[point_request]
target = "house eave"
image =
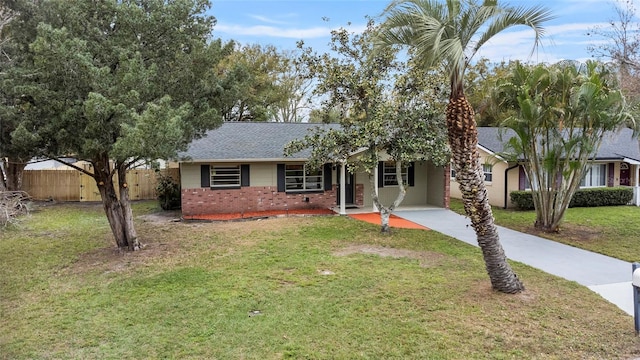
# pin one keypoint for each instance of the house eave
(490, 152)
(631, 161)
(244, 160)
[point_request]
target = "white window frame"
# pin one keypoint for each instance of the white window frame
(452, 172)
(225, 176)
(298, 178)
(390, 177)
(600, 177)
(527, 182)
(487, 170)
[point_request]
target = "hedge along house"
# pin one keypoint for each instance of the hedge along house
(617, 163)
(240, 167)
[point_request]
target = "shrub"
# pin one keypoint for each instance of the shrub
(602, 197)
(522, 199)
(168, 192)
(611, 196)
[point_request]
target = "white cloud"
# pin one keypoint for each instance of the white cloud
(277, 32)
(267, 20)
(276, 20)
(566, 41)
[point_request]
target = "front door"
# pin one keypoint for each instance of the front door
(625, 178)
(348, 187)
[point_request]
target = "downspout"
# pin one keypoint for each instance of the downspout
(506, 183)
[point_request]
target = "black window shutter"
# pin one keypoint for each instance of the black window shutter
(244, 175)
(411, 174)
(380, 174)
(326, 172)
(205, 176)
(612, 175)
(281, 179)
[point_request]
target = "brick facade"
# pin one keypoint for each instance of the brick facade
(359, 198)
(253, 198)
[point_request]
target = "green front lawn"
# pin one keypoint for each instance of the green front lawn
(301, 288)
(609, 230)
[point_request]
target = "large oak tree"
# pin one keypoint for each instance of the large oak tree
(114, 83)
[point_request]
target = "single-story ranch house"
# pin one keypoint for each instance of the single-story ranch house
(617, 163)
(241, 167)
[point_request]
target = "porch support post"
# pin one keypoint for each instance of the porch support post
(636, 187)
(343, 196)
(375, 179)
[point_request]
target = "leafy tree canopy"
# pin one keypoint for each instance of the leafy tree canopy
(112, 83)
(382, 107)
(559, 116)
(252, 72)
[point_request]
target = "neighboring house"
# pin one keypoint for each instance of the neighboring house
(48, 164)
(617, 163)
(241, 167)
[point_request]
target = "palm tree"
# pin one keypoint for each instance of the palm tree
(451, 32)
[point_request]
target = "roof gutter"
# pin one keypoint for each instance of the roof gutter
(243, 160)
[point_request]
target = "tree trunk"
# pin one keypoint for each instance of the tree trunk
(385, 212)
(3, 182)
(14, 168)
(463, 139)
(121, 224)
(127, 212)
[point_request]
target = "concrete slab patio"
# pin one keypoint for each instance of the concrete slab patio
(609, 277)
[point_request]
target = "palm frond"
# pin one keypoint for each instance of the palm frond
(505, 18)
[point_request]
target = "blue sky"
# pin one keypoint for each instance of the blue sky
(283, 22)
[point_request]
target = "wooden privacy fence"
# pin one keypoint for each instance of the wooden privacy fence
(72, 185)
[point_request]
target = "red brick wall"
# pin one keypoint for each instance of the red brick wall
(359, 194)
(254, 198)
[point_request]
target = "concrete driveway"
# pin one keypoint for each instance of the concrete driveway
(609, 277)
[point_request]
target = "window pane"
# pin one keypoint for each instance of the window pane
(596, 175)
(298, 179)
(488, 172)
(602, 180)
(225, 176)
(390, 177)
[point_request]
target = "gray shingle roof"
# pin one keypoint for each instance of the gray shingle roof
(615, 145)
(266, 142)
(493, 138)
(249, 141)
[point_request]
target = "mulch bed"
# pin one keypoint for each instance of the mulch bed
(373, 218)
(394, 221)
(258, 214)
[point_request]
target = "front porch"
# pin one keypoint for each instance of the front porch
(427, 187)
(635, 179)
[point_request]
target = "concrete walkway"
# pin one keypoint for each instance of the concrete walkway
(609, 277)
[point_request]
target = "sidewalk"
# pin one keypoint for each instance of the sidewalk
(609, 277)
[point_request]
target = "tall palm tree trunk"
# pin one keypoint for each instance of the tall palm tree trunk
(463, 139)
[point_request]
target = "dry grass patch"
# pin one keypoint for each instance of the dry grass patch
(325, 288)
(426, 258)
